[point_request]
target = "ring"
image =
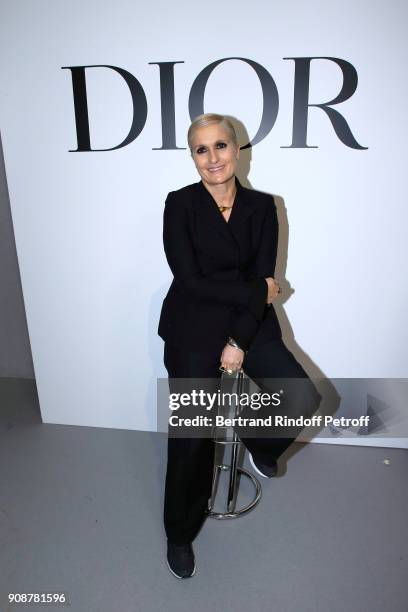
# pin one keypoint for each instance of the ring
(230, 371)
(222, 368)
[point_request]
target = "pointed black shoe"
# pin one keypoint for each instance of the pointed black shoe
(267, 471)
(180, 560)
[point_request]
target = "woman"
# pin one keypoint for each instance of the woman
(220, 241)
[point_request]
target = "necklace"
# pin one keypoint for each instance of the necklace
(222, 208)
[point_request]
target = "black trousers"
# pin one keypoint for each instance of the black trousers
(190, 461)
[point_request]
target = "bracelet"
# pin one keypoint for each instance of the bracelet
(232, 342)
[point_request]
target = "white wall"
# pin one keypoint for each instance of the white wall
(84, 220)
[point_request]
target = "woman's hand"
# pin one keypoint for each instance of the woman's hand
(232, 358)
(273, 289)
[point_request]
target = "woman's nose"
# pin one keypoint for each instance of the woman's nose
(213, 155)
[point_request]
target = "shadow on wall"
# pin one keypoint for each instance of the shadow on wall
(15, 350)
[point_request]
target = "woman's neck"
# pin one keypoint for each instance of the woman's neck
(224, 193)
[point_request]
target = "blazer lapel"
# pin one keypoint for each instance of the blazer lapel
(210, 214)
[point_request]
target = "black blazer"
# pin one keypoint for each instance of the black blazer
(219, 269)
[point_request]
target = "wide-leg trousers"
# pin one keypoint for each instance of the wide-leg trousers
(190, 461)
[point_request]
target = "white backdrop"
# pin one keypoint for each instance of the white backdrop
(84, 220)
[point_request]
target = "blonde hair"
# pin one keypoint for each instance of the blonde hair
(208, 119)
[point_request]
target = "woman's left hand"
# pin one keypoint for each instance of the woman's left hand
(232, 358)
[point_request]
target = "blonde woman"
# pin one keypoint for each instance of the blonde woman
(220, 240)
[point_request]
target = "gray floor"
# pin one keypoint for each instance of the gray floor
(81, 512)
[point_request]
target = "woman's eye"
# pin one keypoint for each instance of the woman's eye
(221, 145)
(200, 150)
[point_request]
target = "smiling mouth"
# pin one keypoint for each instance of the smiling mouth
(215, 169)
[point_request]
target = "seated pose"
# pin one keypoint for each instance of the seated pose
(220, 240)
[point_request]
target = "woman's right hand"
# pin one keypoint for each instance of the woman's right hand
(273, 289)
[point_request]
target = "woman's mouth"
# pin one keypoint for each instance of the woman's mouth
(215, 168)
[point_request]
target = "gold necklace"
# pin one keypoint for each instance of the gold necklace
(222, 208)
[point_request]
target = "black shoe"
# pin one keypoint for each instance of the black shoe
(180, 560)
(267, 471)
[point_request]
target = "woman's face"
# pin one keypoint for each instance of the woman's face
(214, 154)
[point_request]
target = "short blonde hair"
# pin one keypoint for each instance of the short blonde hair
(208, 119)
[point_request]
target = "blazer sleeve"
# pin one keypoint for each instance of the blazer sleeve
(245, 323)
(181, 257)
